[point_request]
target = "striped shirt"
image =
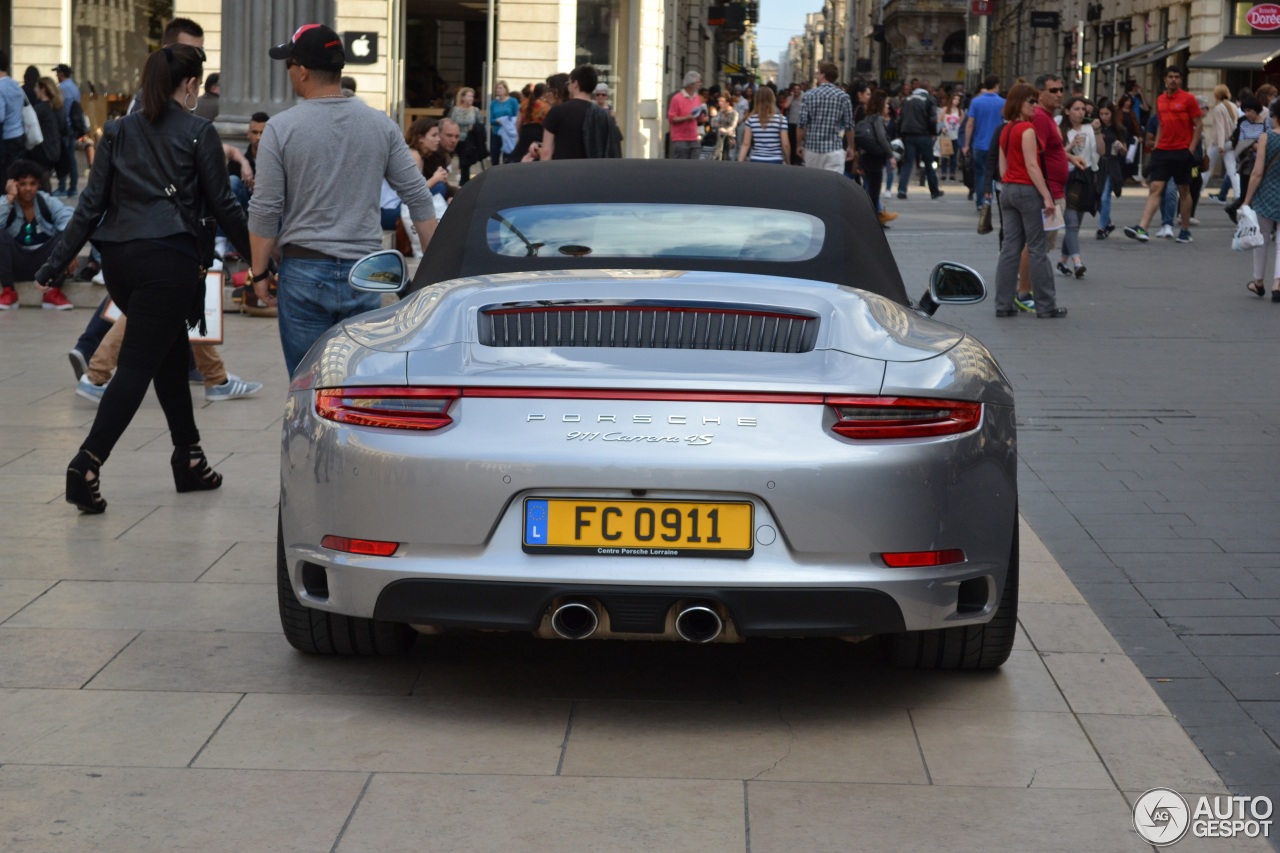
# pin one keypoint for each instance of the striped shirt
(766, 142)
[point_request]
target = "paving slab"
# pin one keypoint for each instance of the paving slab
(53, 657)
(743, 741)
(107, 728)
(156, 810)
(382, 733)
(489, 814)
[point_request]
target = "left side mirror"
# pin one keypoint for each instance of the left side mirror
(381, 272)
(952, 284)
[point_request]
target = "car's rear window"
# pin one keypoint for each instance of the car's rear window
(705, 231)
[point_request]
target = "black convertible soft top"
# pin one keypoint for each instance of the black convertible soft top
(854, 251)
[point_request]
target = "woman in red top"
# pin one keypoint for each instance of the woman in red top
(1025, 202)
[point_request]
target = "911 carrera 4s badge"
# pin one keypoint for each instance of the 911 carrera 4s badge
(628, 528)
(692, 440)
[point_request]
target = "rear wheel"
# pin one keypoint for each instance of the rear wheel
(319, 632)
(966, 647)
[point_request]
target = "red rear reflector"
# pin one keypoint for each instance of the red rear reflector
(922, 559)
(902, 417)
(393, 407)
(368, 547)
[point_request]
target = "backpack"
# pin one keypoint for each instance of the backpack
(79, 122)
(41, 205)
(864, 136)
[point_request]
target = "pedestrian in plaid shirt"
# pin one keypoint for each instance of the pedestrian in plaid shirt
(826, 113)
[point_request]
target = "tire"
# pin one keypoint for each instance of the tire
(967, 647)
(319, 632)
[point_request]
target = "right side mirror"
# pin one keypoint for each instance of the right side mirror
(956, 284)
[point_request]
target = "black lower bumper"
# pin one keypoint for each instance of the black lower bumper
(639, 609)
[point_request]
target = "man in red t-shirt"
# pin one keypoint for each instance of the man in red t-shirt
(1051, 88)
(1174, 154)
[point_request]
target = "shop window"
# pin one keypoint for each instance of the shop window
(110, 41)
(602, 42)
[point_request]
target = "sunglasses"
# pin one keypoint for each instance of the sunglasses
(1057, 91)
(289, 63)
(1032, 101)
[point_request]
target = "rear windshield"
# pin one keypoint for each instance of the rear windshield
(713, 232)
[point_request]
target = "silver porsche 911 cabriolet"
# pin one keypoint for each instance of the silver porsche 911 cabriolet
(653, 400)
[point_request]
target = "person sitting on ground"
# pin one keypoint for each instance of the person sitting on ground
(31, 224)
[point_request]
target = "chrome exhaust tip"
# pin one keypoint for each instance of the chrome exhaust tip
(699, 624)
(575, 620)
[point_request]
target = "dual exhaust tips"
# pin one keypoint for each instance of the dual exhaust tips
(578, 620)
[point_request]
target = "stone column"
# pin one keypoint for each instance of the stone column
(252, 80)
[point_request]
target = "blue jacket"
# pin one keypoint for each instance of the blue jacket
(60, 215)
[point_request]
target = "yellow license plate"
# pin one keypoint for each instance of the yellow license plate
(629, 528)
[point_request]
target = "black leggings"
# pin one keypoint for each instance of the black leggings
(873, 178)
(154, 285)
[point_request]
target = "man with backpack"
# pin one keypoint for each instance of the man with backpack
(74, 126)
(918, 125)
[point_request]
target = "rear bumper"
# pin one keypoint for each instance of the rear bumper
(758, 612)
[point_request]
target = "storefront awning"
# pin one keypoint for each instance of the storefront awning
(1161, 54)
(1249, 53)
(1131, 54)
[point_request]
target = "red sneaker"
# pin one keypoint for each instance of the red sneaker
(8, 299)
(55, 300)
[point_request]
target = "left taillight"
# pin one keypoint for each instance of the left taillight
(902, 417)
(390, 407)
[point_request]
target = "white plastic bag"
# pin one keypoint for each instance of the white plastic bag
(1248, 235)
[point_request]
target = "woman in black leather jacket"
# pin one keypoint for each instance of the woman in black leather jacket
(151, 260)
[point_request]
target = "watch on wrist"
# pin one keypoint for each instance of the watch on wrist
(262, 276)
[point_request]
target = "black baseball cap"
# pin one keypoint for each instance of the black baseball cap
(64, 68)
(313, 46)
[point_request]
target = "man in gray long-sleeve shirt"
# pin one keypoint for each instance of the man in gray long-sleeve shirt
(320, 170)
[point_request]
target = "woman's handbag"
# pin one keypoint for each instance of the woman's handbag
(1248, 234)
(31, 125)
(1082, 191)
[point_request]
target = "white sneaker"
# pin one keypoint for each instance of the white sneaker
(233, 389)
(92, 393)
(1166, 232)
(1194, 221)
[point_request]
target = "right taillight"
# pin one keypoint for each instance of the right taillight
(902, 417)
(388, 407)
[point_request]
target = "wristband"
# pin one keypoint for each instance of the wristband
(262, 276)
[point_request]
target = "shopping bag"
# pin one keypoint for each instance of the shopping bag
(1248, 235)
(984, 219)
(33, 136)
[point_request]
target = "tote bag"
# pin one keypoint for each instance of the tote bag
(31, 125)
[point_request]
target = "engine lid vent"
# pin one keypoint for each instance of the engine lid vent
(669, 326)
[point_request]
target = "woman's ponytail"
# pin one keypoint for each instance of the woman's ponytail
(164, 71)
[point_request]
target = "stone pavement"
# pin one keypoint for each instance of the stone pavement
(1148, 423)
(148, 701)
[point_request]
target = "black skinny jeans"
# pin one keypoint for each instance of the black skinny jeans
(873, 177)
(17, 264)
(154, 285)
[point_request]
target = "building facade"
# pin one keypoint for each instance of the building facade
(405, 55)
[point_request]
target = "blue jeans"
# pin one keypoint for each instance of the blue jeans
(918, 147)
(1104, 205)
(314, 296)
(1169, 204)
(979, 173)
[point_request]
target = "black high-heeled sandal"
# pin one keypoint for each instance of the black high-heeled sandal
(193, 478)
(82, 491)
(1255, 287)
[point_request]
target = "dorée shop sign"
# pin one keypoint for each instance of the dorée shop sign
(1264, 16)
